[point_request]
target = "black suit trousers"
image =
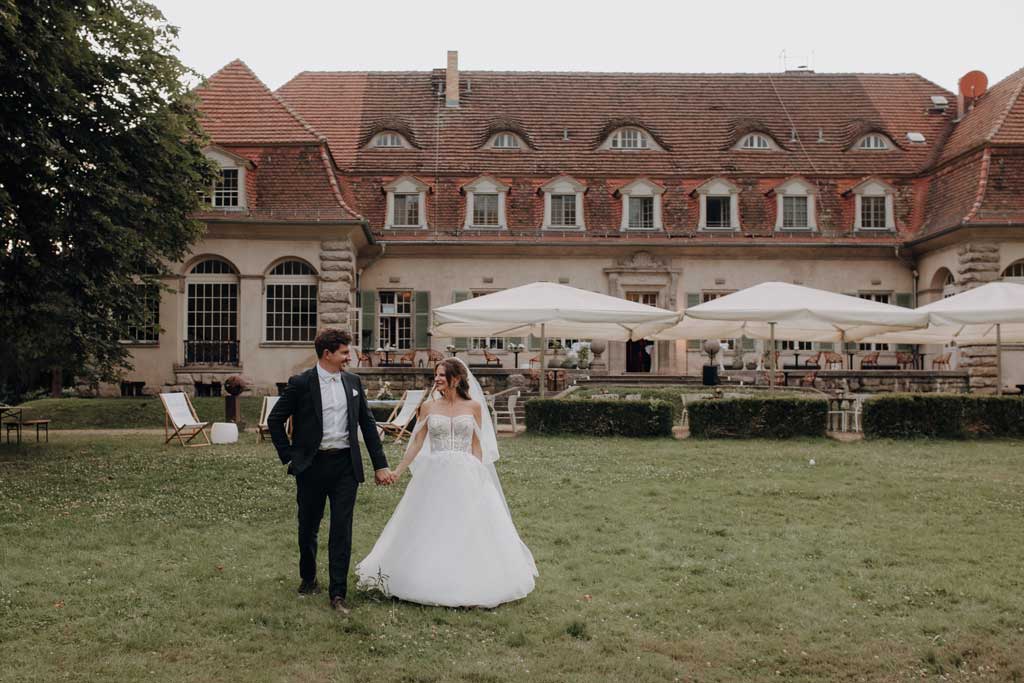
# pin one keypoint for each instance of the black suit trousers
(330, 477)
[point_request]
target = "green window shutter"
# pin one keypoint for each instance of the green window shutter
(747, 343)
(905, 300)
(368, 299)
(421, 300)
(513, 340)
(461, 343)
(826, 346)
(904, 347)
(534, 344)
(850, 346)
(692, 299)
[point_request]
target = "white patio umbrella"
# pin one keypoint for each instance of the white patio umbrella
(990, 314)
(777, 310)
(546, 309)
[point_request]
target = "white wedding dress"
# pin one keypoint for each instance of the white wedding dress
(450, 540)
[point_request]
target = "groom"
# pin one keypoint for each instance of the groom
(326, 404)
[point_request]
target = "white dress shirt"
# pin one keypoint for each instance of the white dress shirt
(335, 407)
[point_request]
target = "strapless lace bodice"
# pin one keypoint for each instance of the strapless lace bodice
(451, 433)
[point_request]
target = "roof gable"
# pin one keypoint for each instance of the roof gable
(237, 108)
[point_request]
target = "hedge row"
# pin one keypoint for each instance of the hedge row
(753, 418)
(943, 416)
(599, 418)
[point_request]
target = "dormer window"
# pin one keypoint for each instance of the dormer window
(719, 205)
(485, 203)
(228, 191)
(406, 205)
(641, 205)
(873, 208)
(226, 194)
(505, 141)
(629, 138)
(873, 141)
(389, 139)
(563, 204)
(758, 142)
(795, 206)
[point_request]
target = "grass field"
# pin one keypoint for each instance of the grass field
(124, 560)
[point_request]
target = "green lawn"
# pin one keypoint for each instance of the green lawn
(660, 560)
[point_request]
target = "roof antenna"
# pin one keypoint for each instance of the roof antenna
(821, 135)
(565, 133)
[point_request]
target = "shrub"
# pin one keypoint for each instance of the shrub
(942, 416)
(599, 418)
(751, 418)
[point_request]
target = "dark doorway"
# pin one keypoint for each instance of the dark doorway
(638, 355)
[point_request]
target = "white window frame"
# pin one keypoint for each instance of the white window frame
(409, 315)
(646, 141)
(873, 188)
(1014, 272)
(706, 296)
(228, 162)
(757, 142)
(406, 185)
(563, 185)
(498, 139)
(148, 333)
(641, 188)
(230, 278)
(389, 139)
(307, 280)
(719, 187)
(485, 185)
(874, 142)
(796, 187)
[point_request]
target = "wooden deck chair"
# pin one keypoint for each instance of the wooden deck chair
(180, 420)
(397, 424)
(263, 427)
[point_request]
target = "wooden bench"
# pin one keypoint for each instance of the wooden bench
(45, 424)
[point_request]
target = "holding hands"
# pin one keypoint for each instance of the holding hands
(386, 477)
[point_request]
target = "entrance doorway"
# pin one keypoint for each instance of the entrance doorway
(640, 353)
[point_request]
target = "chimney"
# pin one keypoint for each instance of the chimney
(451, 80)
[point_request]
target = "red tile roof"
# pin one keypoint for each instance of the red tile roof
(698, 117)
(997, 118)
(294, 177)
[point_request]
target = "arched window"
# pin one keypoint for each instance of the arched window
(505, 140)
(629, 138)
(291, 303)
(212, 316)
(389, 139)
(1015, 270)
(757, 141)
(948, 285)
(874, 141)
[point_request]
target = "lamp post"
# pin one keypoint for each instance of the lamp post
(452, 349)
(516, 349)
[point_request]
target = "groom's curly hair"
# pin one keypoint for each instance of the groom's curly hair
(329, 339)
(457, 376)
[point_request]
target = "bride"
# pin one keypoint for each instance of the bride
(451, 540)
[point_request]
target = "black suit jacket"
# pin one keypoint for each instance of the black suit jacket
(301, 402)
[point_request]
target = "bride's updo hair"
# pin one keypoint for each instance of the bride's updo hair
(457, 376)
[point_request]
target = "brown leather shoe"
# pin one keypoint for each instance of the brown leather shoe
(339, 605)
(309, 587)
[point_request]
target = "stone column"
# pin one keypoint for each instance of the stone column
(337, 273)
(978, 263)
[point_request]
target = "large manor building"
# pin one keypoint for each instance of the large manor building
(364, 199)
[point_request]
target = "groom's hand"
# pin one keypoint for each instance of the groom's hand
(382, 476)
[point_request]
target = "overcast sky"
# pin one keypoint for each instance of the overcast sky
(940, 40)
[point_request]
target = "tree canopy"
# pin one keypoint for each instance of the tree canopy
(101, 169)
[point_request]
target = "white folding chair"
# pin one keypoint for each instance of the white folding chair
(180, 420)
(397, 425)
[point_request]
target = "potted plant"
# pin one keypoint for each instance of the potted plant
(234, 385)
(584, 357)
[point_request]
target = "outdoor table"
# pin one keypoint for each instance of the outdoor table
(12, 412)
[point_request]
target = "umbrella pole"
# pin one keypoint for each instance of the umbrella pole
(999, 361)
(771, 358)
(543, 360)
